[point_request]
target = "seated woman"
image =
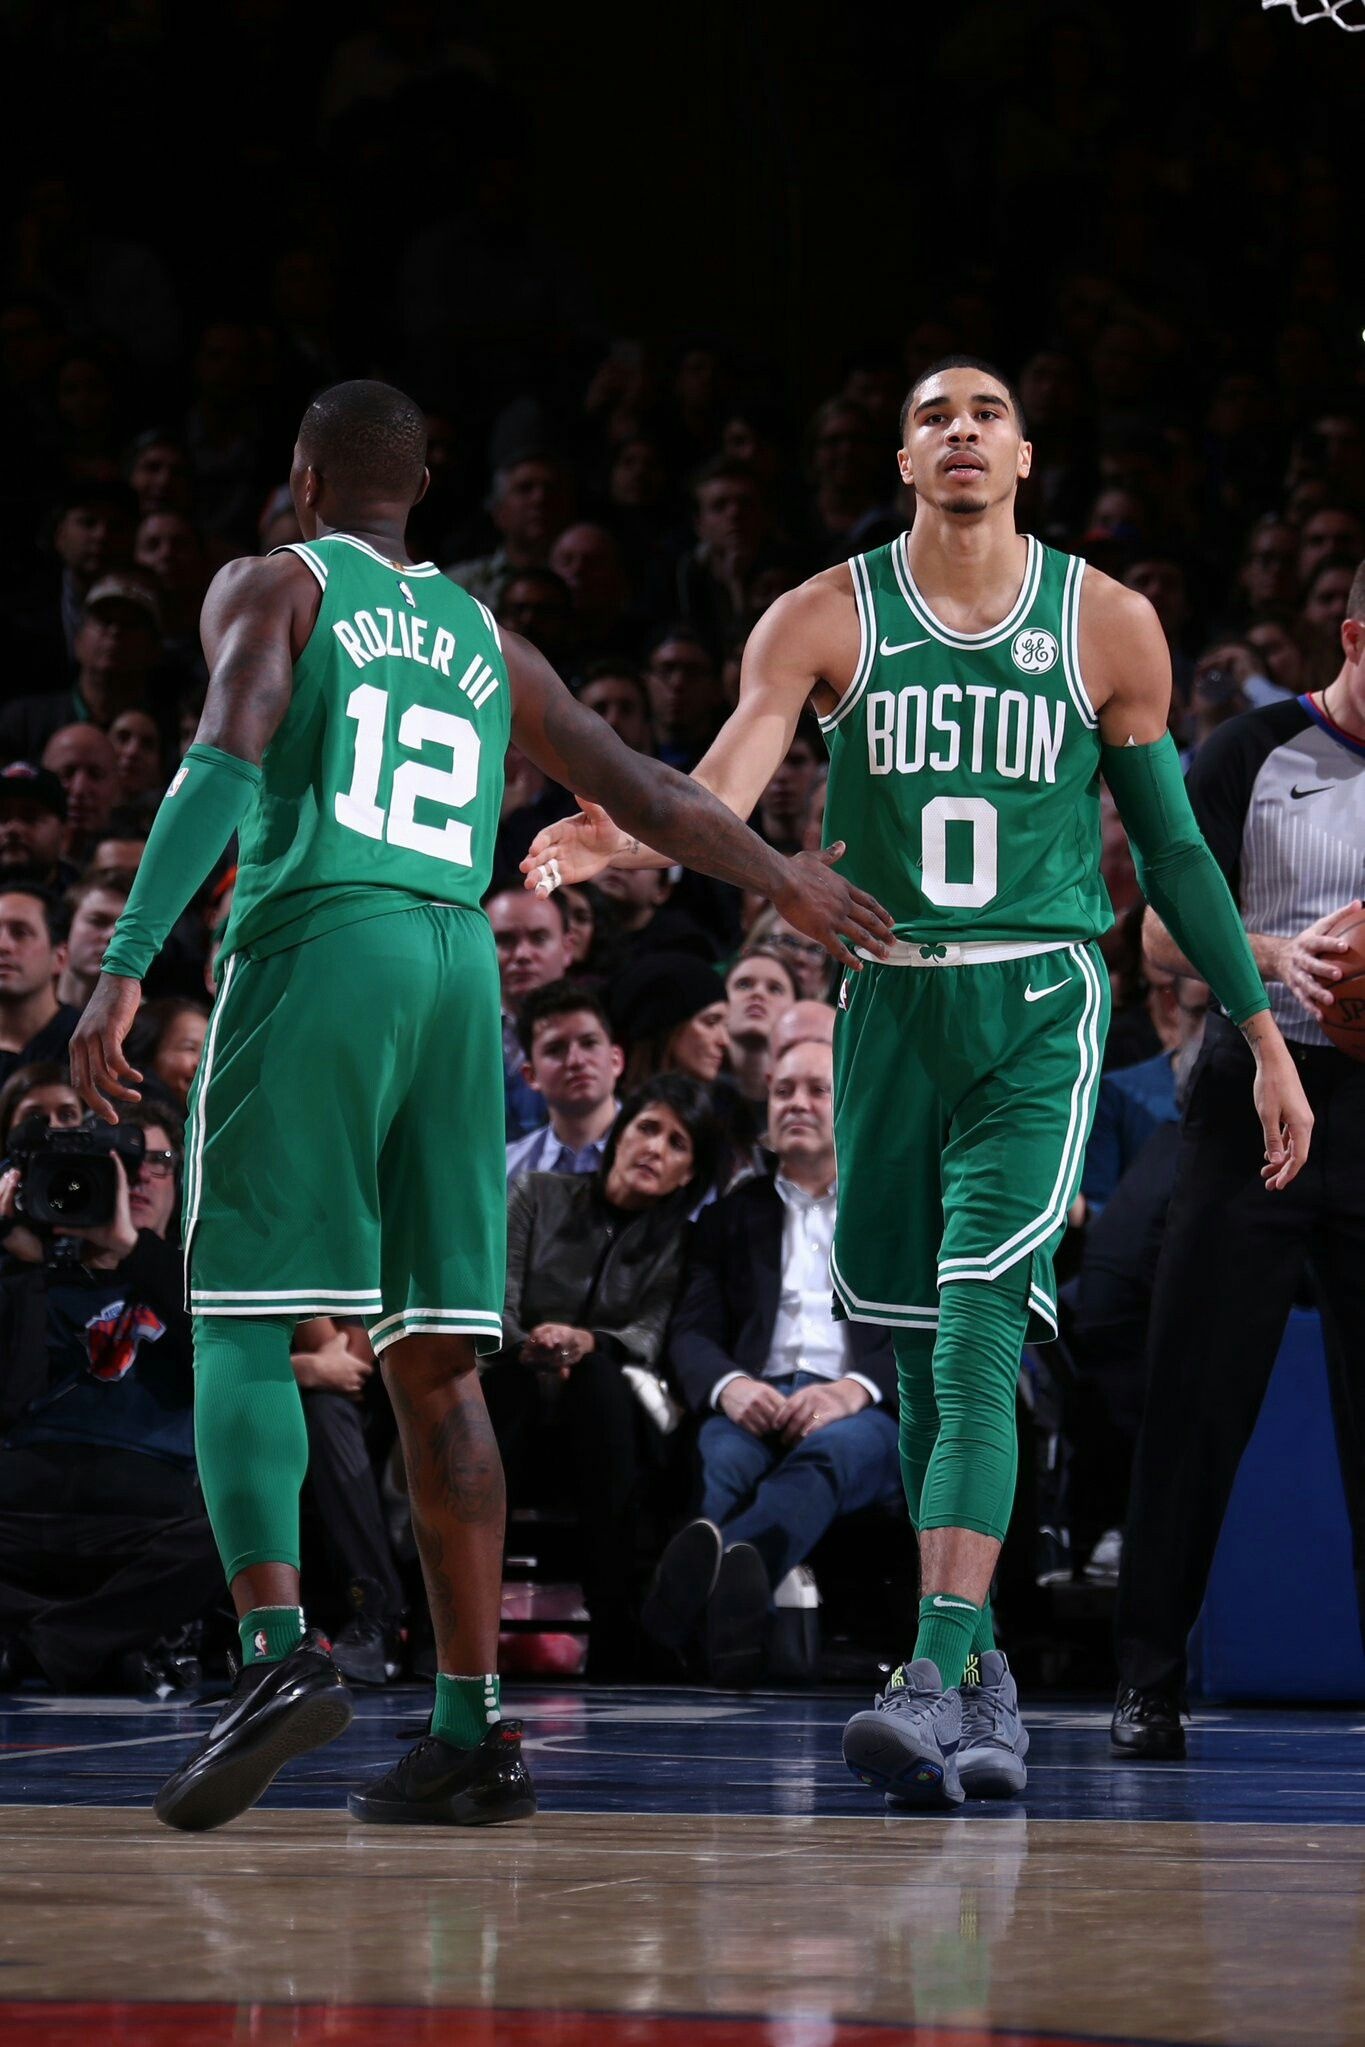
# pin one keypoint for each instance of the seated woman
(593, 1268)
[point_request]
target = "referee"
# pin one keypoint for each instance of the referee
(1280, 796)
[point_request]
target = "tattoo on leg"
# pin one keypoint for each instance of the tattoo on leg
(464, 1453)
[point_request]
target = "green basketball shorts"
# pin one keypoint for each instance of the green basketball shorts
(963, 1099)
(346, 1146)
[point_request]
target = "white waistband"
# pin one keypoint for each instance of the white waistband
(973, 953)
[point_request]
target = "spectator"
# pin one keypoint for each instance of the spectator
(799, 1409)
(618, 694)
(123, 844)
(32, 826)
(85, 763)
(536, 603)
(783, 806)
(1280, 651)
(171, 550)
(1136, 1099)
(159, 474)
(732, 524)
(593, 1266)
(758, 987)
(804, 1021)
(34, 1025)
(1162, 582)
(96, 904)
(136, 739)
(41, 1089)
(1332, 532)
(846, 473)
(105, 1550)
(670, 1012)
(1325, 599)
(589, 562)
(809, 962)
(92, 538)
(532, 936)
(684, 695)
(117, 646)
(1215, 697)
(531, 504)
(1269, 571)
(574, 1065)
(167, 1042)
(649, 920)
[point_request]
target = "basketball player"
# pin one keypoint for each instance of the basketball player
(972, 686)
(347, 1148)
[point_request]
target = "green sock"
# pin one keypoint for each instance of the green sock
(983, 1641)
(947, 1630)
(270, 1633)
(466, 1707)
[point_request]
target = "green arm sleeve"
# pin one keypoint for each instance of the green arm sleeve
(199, 814)
(1179, 876)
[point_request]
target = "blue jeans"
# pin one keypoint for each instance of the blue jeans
(782, 1501)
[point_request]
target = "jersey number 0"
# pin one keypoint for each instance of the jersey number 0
(454, 787)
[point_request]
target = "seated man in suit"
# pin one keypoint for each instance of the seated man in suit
(800, 1409)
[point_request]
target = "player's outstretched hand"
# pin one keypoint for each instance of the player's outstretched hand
(574, 849)
(826, 907)
(98, 1067)
(1285, 1115)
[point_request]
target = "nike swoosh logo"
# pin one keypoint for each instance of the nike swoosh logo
(1037, 994)
(957, 1605)
(1299, 794)
(904, 648)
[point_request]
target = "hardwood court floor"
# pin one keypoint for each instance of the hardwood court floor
(703, 1875)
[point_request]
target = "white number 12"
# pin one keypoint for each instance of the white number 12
(359, 809)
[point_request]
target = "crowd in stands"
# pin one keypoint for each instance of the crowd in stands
(631, 505)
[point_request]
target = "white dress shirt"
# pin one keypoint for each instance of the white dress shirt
(806, 1337)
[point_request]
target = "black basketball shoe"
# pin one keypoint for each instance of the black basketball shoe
(438, 1785)
(1146, 1724)
(274, 1712)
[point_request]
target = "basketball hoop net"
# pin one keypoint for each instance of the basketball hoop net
(1347, 14)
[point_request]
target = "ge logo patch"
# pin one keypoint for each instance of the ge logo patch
(1034, 651)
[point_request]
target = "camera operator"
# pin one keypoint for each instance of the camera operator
(105, 1549)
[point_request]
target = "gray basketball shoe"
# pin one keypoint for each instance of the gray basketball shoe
(990, 1761)
(907, 1744)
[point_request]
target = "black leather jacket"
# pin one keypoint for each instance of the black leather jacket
(573, 1258)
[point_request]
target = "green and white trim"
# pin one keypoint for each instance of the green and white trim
(478, 1322)
(888, 1314)
(1035, 1233)
(867, 643)
(1071, 642)
(993, 635)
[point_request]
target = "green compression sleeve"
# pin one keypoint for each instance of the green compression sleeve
(1179, 875)
(199, 814)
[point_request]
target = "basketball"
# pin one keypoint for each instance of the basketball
(1344, 1018)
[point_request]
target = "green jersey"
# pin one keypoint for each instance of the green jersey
(964, 767)
(382, 787)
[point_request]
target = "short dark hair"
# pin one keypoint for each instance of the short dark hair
(691, 1104)
(723, 469)
(1333, 564)
(963, 362)
(42, 1073)
(50, 905)
(366, 437)
(1355, 602)
(604, 669)
(558, 998)
(115, 881)
(679, 629)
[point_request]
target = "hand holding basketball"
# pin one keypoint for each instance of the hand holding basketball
(1313, 964)
(1342, 1014)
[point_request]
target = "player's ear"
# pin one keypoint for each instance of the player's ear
(423, 487)
(1025, 459)
(617, 1062)
(906, 466)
